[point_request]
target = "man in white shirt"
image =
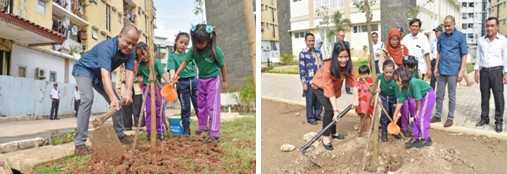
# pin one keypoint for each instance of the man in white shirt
(378, 48)
(55, 101)
(77, 100)
(491, 71)
(434, 53)
(418, 46)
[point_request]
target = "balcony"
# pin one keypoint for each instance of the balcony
(6, 6)
(61, 9)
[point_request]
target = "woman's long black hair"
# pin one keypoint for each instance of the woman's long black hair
(335, 67)
(200, 32)
(180, 34)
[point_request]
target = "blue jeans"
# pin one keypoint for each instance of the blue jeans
(388, 102)
(187, 92)
(313, 107)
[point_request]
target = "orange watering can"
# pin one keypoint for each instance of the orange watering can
(168, 93)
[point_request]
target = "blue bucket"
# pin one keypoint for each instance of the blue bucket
(175, 126)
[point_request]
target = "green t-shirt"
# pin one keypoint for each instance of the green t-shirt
(144, 70)
(417, 89)
(205, 63)
(175, 60)
(388, 87)
(415, 75)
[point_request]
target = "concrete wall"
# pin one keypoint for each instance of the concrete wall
(228, 17)
(23, 97)
(32, 59)
(30, 10)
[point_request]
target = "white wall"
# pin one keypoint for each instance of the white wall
(299, 8)
(31, 59)
(23, 97)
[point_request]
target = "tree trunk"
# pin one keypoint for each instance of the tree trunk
(152, 76)
(371, 61)
(250, 28)
(371, 155)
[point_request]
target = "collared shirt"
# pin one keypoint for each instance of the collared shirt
(491, 53)
(377, 49)
(54, 93)
(144, 71)
(174, 61)
(76, 95)
(328, 83)
(451, 47)
(417, 89)
(105, 54)
(434, 51)
(207, 66)
(417, 46)
(308, 64)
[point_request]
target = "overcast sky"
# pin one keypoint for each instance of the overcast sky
(174, 16)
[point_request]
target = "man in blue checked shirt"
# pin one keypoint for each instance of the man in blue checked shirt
(450, 67)
(93, 71)
(309, 59)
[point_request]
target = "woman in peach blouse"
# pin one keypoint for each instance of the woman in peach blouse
(327, 86)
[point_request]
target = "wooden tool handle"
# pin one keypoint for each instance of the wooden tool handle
(98, 121)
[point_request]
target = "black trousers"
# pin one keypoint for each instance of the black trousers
(433, 81)
(76, 105)
(377, 70)
(491, 79)
(54, 109)
(136, 107)
(328, 111)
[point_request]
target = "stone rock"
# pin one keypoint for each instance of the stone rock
(8, 147)
(287, 148)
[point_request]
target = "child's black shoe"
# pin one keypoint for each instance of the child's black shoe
(426, 142)
(413, 142)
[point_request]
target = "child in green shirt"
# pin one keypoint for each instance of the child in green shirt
(424, 97)
(186, 87)
(209, 59)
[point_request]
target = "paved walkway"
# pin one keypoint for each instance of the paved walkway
(468, 101)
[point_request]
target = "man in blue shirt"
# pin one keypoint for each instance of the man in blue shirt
(450, 67)
(93, 71)
(308, 59)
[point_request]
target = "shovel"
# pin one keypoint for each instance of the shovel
(392, 127)
(105, 143)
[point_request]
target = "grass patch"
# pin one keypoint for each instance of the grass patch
(62, 139)
(284, 69)
(63, 165)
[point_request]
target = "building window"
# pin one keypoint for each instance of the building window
(108, 17)
(21, 71)
(363, 28)
(471, 4)
(41, 6)
(52, 76)
(470, 35)
(470, 25)
(5, 63)
(300, 34)
(471, 15)
(464, 26)
(296, 0)
(464, 4)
